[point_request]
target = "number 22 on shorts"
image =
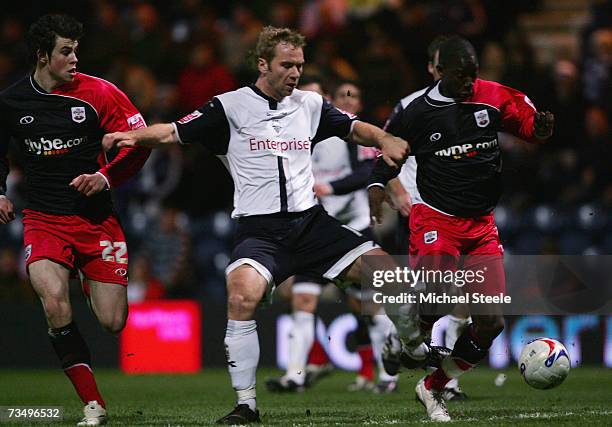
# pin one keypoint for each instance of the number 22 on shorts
(120, 249)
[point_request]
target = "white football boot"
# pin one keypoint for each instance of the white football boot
(433, 402)
(95, 414)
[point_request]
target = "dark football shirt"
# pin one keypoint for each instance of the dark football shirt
(456, 147)
(59, 135)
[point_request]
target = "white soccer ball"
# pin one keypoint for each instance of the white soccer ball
(544, 363)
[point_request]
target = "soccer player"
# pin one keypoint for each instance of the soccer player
(400, 190)
(58, 116)
(341, 170)
(452, 127)
(264, 134)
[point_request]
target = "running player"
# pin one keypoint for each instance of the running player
(452, 127)
(58, 116)
(265, 133)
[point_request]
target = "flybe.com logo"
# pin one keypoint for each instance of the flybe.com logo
(52, 147)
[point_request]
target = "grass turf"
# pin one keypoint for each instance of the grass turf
(584, 398)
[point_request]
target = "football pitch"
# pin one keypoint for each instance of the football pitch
(585, 398)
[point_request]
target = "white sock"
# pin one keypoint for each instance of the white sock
(242, 352)
(454, 329)
(301, 338)
(381, 326)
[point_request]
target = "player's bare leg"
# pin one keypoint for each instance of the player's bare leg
(245, 289)
(110, 305)
(51, 282)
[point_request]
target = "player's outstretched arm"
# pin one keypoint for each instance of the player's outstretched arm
(161, 134)
(394, 150)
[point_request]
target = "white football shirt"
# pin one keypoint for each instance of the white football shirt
(266, 144)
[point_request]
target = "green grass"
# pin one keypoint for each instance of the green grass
(584, 399)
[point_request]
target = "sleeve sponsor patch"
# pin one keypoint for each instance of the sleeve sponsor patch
(351, 115)
(136, 122)
(366, 153)
(189, 117)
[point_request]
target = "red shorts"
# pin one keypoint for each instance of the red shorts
(469, 243)
(96, 248)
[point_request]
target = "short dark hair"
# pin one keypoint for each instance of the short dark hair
(434, 46)
(453, 50)
(272, 36)
(44, 32)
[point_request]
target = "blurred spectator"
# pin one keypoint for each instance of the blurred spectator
(203, 78)
(168, 248)
(13, 286)
(564, 97)
(137, 81)
(239, 37)
(142, 285)
(148, 41)
(106, 38)
(598, 83)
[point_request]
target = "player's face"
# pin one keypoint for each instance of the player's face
(348, 98)
(282, 74)
(458, 79)
(63, 60)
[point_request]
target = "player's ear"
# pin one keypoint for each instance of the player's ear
(262, 65)
(42, 56)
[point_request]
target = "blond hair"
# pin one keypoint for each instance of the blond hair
(270, 37)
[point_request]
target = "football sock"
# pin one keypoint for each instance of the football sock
(466, 354)
(300, 340)
(454, 328)
(317, 355)
(380, 327)
(74, 356)
(242, 352)
(367, 362)
(364, 349)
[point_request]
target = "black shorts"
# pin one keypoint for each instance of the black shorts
(309, 243)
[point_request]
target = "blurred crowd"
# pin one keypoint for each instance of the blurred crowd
(171, 57)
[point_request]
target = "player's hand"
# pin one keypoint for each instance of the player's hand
(89, 184)
(376, 197)
(543, 124)
(401, 202)
(119, 139)
(323, 189)
(7, 212)
(394, 150)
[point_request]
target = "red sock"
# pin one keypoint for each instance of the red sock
(436, 380)
(317, 355)
(84, 383)
(367, 362)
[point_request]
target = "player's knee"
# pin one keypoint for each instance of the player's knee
(113, 324)
(57, 308)
(241, 302)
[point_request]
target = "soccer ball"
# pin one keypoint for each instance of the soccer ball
(544, 363)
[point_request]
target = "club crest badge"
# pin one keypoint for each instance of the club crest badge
(78, 114)
(482, 118)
